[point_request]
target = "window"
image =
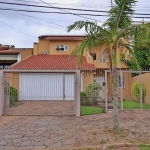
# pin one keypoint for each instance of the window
(62, 47)
(102, 57)
(1, 66)
(65, 47)
(7, 66)
(119, 81)
(93, 55)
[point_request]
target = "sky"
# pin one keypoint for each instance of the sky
(23, 28)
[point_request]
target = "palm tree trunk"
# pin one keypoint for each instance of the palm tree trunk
(115, 98)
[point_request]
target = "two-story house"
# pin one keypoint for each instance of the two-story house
(51, 52)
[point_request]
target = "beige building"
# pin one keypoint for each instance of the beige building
(51, 52)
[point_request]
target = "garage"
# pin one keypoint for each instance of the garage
(46, 86)
(44, 94)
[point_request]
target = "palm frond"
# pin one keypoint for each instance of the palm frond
(85, 45)
(131, 50)
(108, 55)
(90, 27)
(121, 13)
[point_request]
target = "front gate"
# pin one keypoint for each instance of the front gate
(41, 93)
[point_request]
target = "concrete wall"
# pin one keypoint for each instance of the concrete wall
(15, 81)
(43, 46)
(35, 48)
(87, 78)
(26, 53)
(127, 90)
(50, 47)
(146, 82)
(71, 46)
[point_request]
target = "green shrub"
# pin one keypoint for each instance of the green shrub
(92, 93)
(13, 96)
(136, 90)
(82, 94)
(83, 99)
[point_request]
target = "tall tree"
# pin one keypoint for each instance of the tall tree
(116, 33)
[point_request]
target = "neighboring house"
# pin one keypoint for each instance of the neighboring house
(51, 52)
(10, 55)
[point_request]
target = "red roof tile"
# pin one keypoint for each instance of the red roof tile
(10, 51)
(77, 38)
(53, 62)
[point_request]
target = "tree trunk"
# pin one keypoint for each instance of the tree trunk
(115, 98)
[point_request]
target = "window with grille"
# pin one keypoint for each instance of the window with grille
(62, 47)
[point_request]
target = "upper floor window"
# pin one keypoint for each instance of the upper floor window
(93, 55)
(62, 47)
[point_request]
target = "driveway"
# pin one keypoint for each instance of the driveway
(26, 132)
(41, 108)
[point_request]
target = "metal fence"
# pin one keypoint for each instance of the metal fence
(91, 83)
(95, 86)
(37, 92)
(97, 90)
(134, 90)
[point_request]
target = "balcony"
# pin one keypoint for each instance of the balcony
(99, 64)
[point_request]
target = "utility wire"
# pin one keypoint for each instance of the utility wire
(43, 20)
(63, 13)
(75, 4)
(28, 1)
(17, 29)
(69, 12)
(14, 35)
(52, 7)
(33, 21)
(82, 4)
(62, 8)
(37, 18)
(38, 11)
(40, 19)
(89, 4)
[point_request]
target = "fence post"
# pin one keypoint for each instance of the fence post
(141, 99)
(78, 90)
(63, 94)
(121, 90)
(105, 91)
(1, 93)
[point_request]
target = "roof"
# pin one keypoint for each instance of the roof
(10, 51)
(52, 62)
(63, 37)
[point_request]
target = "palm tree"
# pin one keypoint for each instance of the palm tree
(115, 33)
